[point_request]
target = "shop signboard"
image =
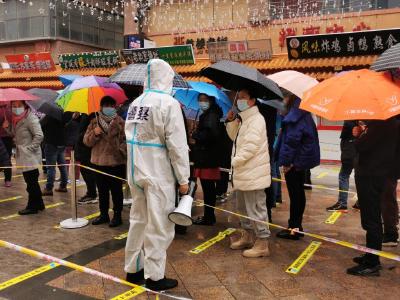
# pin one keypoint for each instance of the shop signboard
(240, 50)
(371, 42)
(174, 55)
(89, 60)
(30, 62)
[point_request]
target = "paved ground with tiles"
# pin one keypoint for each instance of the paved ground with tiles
(216, 273)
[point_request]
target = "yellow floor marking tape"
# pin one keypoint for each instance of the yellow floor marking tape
(121, 236)
(47, 207)
(212, 241)
(299, 263)
(333, 217)
(322, 175)
(10, 199)
(15, 176)
(129, 294)
(28, 275)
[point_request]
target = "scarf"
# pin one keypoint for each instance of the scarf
(105, 121)
(16, 119)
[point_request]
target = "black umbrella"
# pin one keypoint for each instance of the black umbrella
(389, 60)
(134, 74)
(46, 104)
(235, 76)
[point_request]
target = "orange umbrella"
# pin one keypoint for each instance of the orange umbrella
(356, 95)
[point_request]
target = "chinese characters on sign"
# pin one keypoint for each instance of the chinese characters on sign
(99, 59)
(174, 55)
(342, 44)
(240, 51)
(31, 62)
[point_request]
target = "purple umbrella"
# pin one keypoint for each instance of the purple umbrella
(91, 81)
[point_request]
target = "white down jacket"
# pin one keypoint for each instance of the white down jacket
(250, 158)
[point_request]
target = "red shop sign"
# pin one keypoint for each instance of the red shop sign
(31, 62)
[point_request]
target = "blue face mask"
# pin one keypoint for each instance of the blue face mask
(109, 111)
(204, 105)
(18, 110)
(242, 105)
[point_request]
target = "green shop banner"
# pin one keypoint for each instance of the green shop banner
(89, 60)
(174, 55)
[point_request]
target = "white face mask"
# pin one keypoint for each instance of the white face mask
(242, 104)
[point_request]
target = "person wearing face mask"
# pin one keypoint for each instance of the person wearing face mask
(206, 154)
(28, 136)
(251, 174)
(297, 150)
(106, 136)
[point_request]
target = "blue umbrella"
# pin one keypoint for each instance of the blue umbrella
(68, 79)
(188, 97)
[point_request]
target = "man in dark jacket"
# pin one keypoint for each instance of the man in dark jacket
(348, 154)
(54, 147)
(376, 148)
(297, 150)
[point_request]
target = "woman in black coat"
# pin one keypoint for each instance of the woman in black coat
(206, 154)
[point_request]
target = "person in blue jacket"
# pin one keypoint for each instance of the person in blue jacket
(297, 150)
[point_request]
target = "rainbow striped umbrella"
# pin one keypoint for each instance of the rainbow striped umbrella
(84, 94)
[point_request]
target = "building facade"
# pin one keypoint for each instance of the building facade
(58, 27)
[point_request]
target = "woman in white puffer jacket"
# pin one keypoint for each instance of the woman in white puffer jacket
(251, 174)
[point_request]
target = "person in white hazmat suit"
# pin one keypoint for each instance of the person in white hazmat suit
(158, 159)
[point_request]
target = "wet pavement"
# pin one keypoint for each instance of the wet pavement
(215, 273)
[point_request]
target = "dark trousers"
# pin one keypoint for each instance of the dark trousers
(35, 200)
(107, 184)
(370, 190)
(270, 201)
(8, 143)
(222, 184)
(210, 196)
(90, 179)
(295, 185)
(390, 209)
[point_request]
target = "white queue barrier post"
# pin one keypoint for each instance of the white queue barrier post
(73, 222)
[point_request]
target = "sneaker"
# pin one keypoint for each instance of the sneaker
(390, 241)
(364, 270)
(7, 184)
(47, 192)
(337, 207)
(162, 284)
(87, 200)
(221, 198)
(61, 190)
(356, 205)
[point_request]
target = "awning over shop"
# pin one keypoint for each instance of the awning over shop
(48, 84)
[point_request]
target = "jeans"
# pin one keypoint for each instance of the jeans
(90, 179)
(107, 184)
(344, 178)
(8, 143)
(55, 154)
(370, 190)
(35, 200)
(295, 185)
(276, 185)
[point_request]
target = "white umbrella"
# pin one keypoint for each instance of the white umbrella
(295, 82)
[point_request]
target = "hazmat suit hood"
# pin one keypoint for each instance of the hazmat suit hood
(159, 76)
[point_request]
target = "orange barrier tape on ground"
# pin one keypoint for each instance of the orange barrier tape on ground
(320, 237)
(80, 268)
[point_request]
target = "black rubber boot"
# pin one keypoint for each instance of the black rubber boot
(162, 284)
(135, 278)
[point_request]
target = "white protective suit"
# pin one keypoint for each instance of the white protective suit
(157, 159)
